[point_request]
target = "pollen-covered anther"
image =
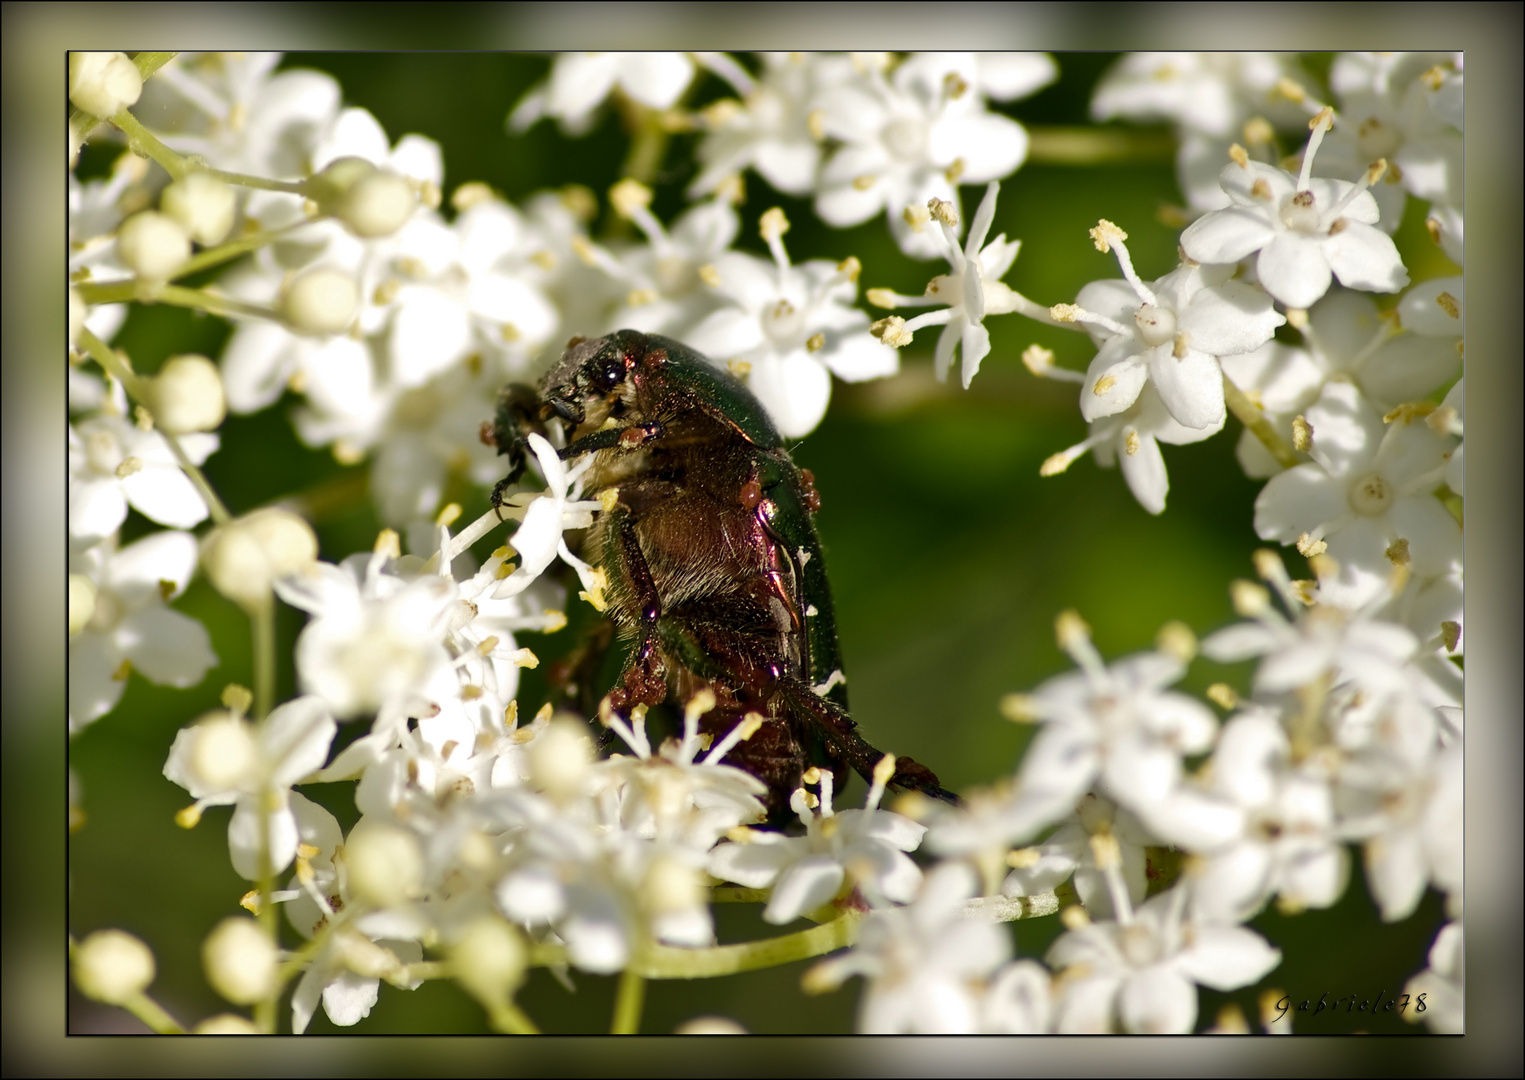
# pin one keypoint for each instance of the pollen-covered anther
(1223, 696)
(710, 275)
(1131, 442)
(953, 173)
(1261, 190)
(1302, 434)
(739, 368)
(629, 197)
(1103, 384)
(1070, 630)
(1308, 546)
(1248, 598)
(1074, 917)
(1038, 360)
(1065, 313)
(1176, 640)
(1258, 131)
(881, 298)
(942, 210)
(1397, 552)
(1239, 156)
(916, 217)
(1023, 858)
(772, 225)
(1104, 234)
(1181, 346)
(891, 331)
(815, 342)
(851, 267)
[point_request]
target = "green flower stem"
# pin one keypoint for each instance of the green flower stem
(1253, 417)
(262, 628)
(628, 1001)
(232, 249)
(667, 962)
(201, 300)
(145, 142)
(736, 894)
(142, 1006)
(510, 1020)
(118, 368)
(1093, 146)
(147, 63)
(264, 1009)
(153, 1014)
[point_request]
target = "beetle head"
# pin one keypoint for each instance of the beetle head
(587, 385)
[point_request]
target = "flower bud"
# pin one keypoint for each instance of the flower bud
(81, 603)
(489, 960)
(112, 966)
(153, 245)
(103, 83)
(710, 1025)
(385, 866)
(240, 961)
(226, 1024)
(244, 558)
(321, 302)
(378, 205)
(202, 204)
(215, 754)
(186, 395)
(559, 758)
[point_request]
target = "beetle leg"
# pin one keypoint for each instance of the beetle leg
(645, 676)
(626, 438)
(841, 732)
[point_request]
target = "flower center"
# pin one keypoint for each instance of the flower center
(675, 276)
(103, 452)
(784, 324)
(1371, 496)
(417, 409)
(1378, 140)
(906, 137)
(1139, 945)
(1298, 212)
(1156, 325)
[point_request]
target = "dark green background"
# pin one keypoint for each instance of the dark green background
(949, 559)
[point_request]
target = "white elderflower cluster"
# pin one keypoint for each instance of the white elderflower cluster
(492, 832)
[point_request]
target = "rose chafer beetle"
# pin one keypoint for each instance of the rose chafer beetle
(715, 571)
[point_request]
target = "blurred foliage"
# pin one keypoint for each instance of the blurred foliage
(949, 559)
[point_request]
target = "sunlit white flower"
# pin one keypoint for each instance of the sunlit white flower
(972, 289)
(376, 640)
(1138, 974)
(1303, 231)
(1409, 815)
(114, 464)
(224, 759)
(927, 966)
(1171, 333)
(916, 134)
(867, 846)
(792, 327)
(1258, 827)
(546, 516)
(579, 83)
(1388, 109)
(1367, 494)
(119, 621)
(1067, 853)
(361, 949)
(1115, 725)
(1441, 984)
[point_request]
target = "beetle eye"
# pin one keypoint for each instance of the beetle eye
(609, 375)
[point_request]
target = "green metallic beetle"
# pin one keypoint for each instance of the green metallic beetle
(715, 571)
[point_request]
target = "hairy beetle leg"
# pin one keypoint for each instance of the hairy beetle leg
(841, 732)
